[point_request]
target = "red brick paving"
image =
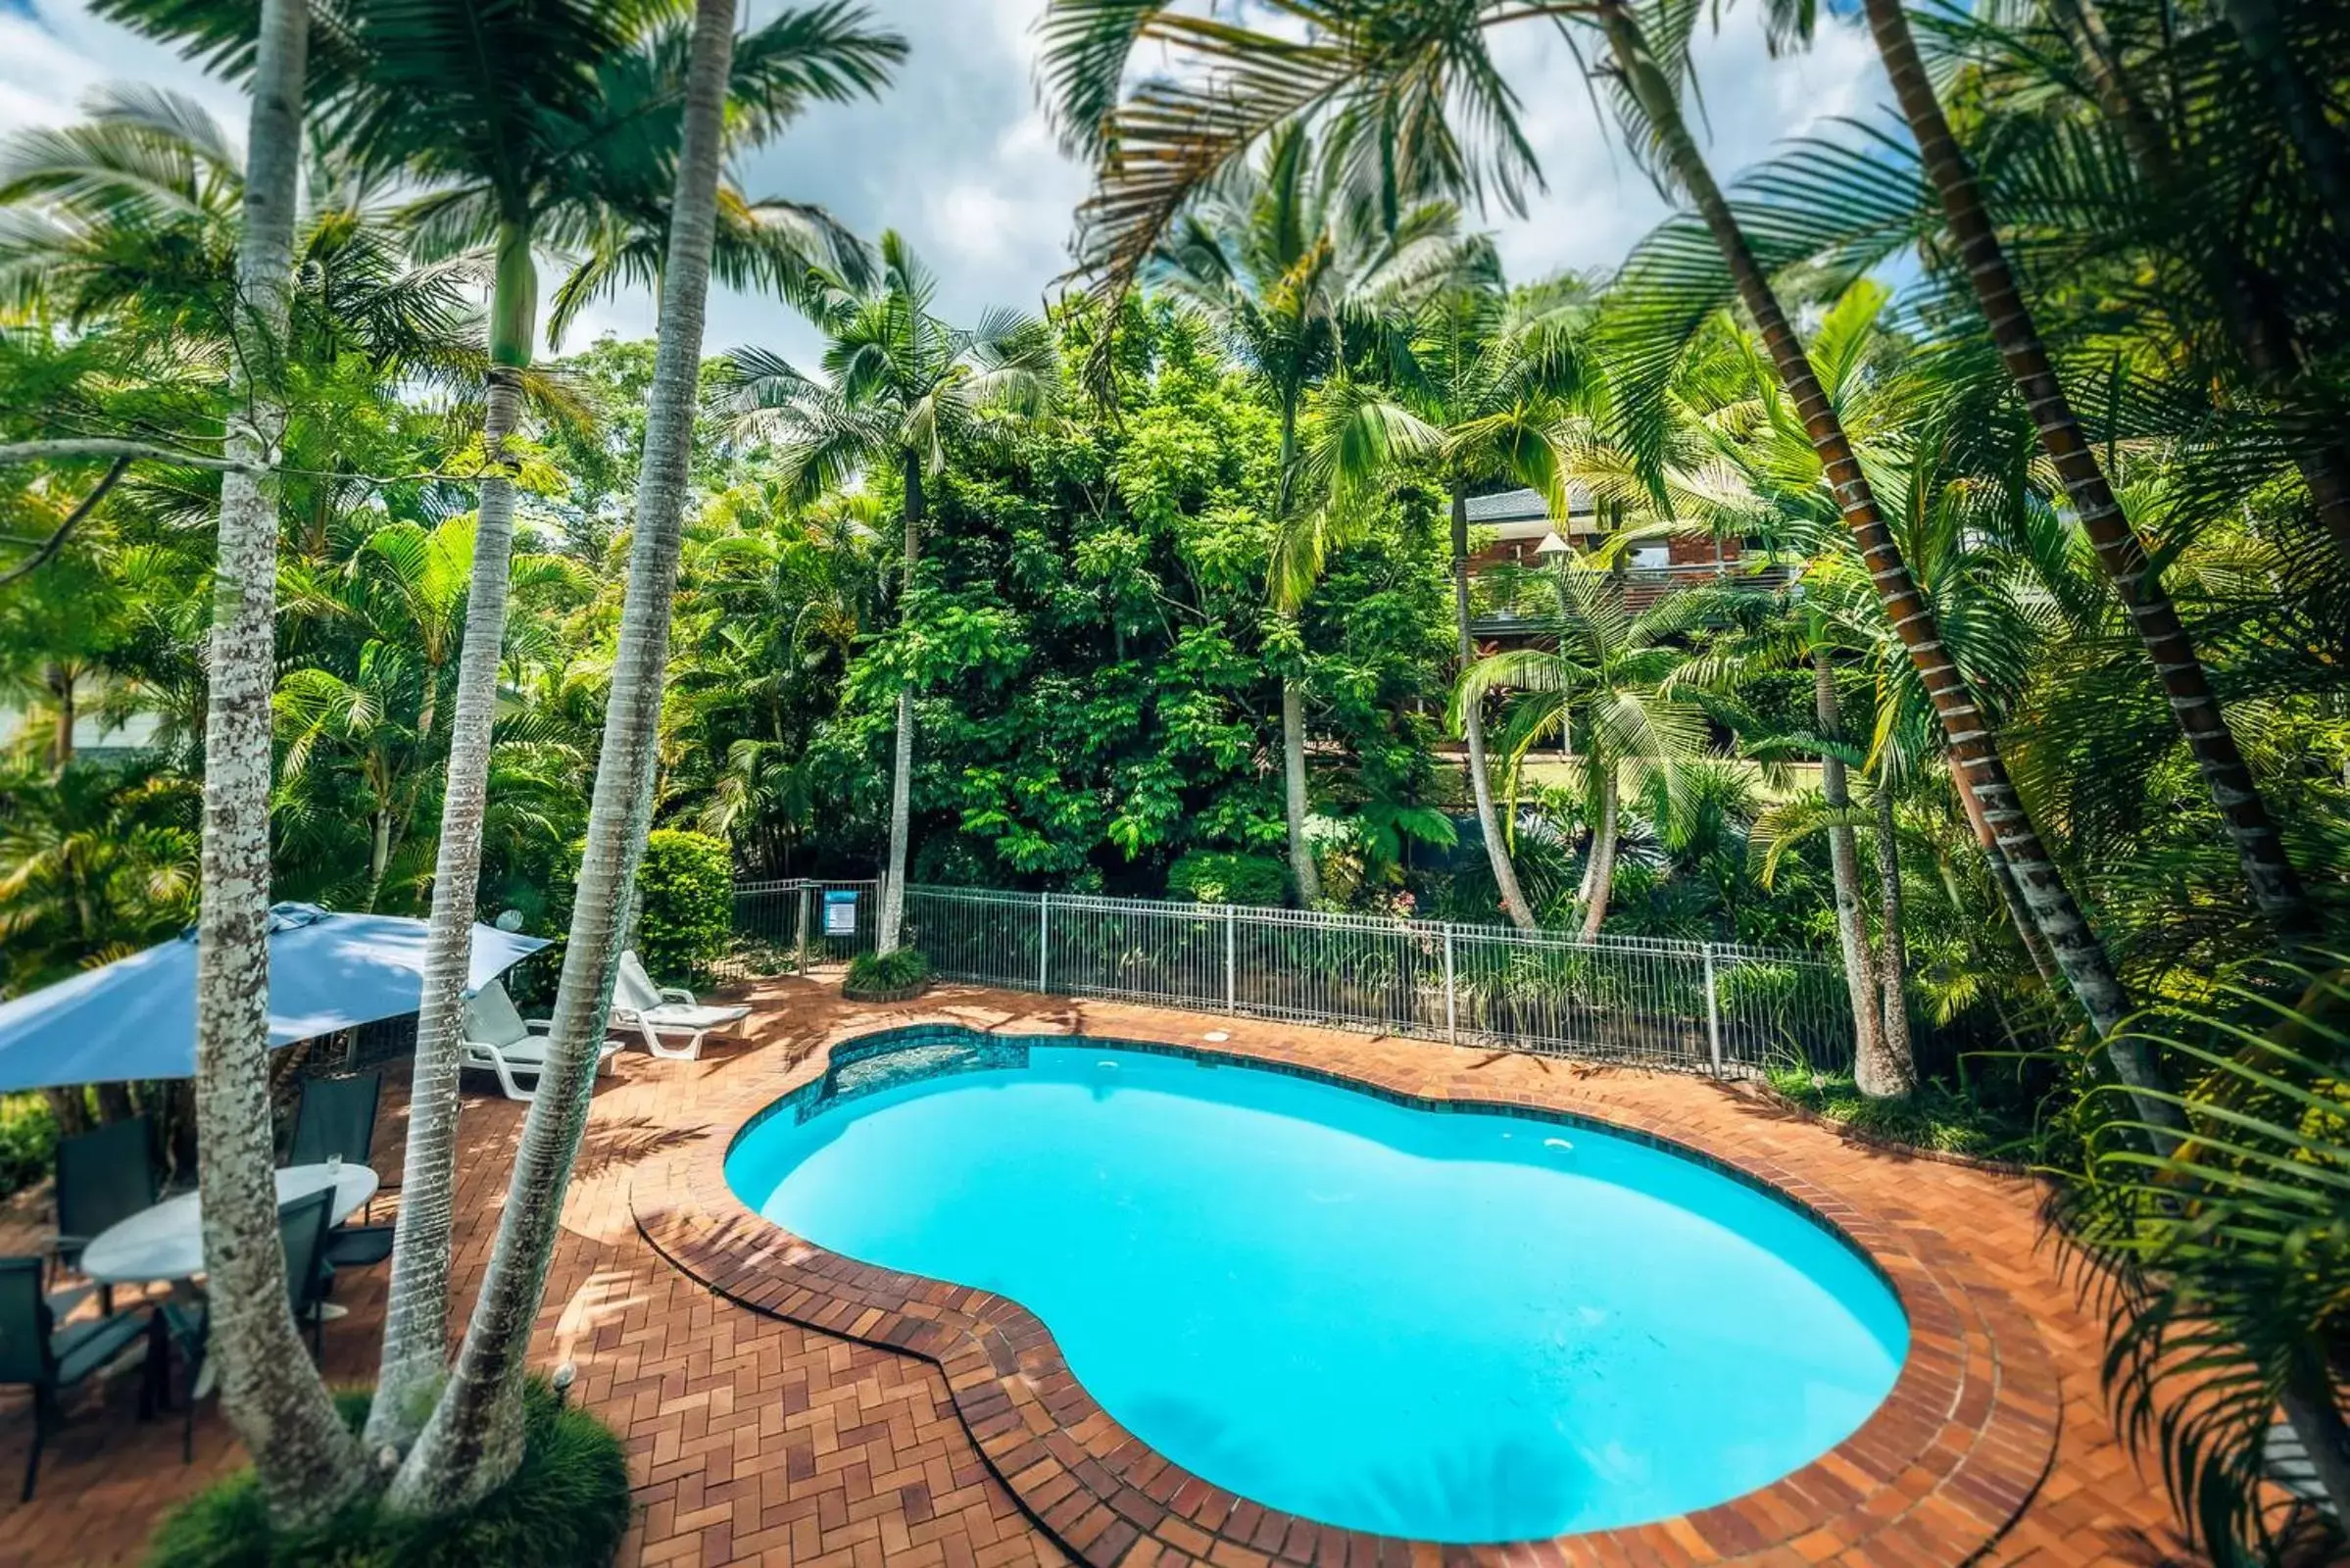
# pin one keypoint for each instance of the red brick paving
(756, 1438)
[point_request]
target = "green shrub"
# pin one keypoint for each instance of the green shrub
(685, 896)
(872, 973)
(1221, 877)
(1932, 1118)
(28, 1140)
(566, 1507)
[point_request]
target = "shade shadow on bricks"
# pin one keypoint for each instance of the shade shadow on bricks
(756, 1438)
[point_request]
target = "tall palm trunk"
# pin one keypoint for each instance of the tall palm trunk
(307, 1460)
(1900, 1058)
(415, 1324)
(1472, 728)
(2086, 966)
(379, 850)
(901, 758)
(1600, 869)
(59, 682)
(472, 1441)
(2004, 880)
(1295, 801)
(2275, 887)
(1870, 1069)
(70, 1107)
(2324, 157)
(2246, 296)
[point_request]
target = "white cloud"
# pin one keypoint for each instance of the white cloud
(959, 158)
(52, 56)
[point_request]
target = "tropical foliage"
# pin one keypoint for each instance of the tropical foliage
(1954, 521)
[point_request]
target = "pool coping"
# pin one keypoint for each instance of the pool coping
(1933, 1476)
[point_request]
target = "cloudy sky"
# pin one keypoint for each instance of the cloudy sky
(958, 158)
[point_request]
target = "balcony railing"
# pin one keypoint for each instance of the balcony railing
(1509, 598)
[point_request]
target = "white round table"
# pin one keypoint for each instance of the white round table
(167, 1242)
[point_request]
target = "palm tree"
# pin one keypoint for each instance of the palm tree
(2262, 332)
(2078, 952)
(2221, 1272)
(1608, 685)
(2275, 886)
(900, 388)
(472, 1439)
(98, 859)
(777, 598)
(2260, 28)
(402, 598)
(307, 1460)
(1296, 268)
(548, 122)
(1396, 83)
(1482, 398)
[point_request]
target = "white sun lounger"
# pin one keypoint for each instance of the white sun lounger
(662, 1014)
(500, 1040)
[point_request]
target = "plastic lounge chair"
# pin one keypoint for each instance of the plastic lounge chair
(336, 1116)
(666, 1012)
(500, 1040)
(302, 1228)
(102, 1178)
(36, 1352)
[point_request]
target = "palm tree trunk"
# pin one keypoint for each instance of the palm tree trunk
(1602, 868)
(2246, 296)
(379, 850)
(70, 1107)
(472, 1441)
(306, 1459)
(1868, 1069)
(1472, 728)
(2260, 28)
(2317, 1420)
(60, 732)
(902, 761)
(113, 1103)
(1293, 799)
(1901, 1062)
(2005, 881)
(2275, 887)
(2086, 966)
(415, 1324)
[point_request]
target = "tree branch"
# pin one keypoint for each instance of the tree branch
(68, 448)
(57, 540)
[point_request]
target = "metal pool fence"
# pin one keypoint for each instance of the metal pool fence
(780, 928)
(1714, 1007)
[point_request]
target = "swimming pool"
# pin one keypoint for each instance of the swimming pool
(1454, 1325)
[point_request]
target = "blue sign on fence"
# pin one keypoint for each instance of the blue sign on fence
(840, 914)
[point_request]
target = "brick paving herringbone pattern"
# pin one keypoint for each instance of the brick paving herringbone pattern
(755, 1440)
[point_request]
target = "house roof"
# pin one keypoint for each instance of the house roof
(1521, 514)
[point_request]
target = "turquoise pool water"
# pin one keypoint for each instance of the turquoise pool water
(1456, 1325)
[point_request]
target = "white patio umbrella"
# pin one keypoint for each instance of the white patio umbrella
(136, 1018)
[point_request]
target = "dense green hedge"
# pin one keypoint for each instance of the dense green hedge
(566, 1507)
(1224, 879)
(685, 895)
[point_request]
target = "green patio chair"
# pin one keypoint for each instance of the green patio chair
(337, 1117)
(301, 1228)
(36, 1352)
(103, 1177)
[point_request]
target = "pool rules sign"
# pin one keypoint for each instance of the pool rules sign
(840, 914)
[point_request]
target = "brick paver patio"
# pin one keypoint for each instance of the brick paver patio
(756, 1438)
